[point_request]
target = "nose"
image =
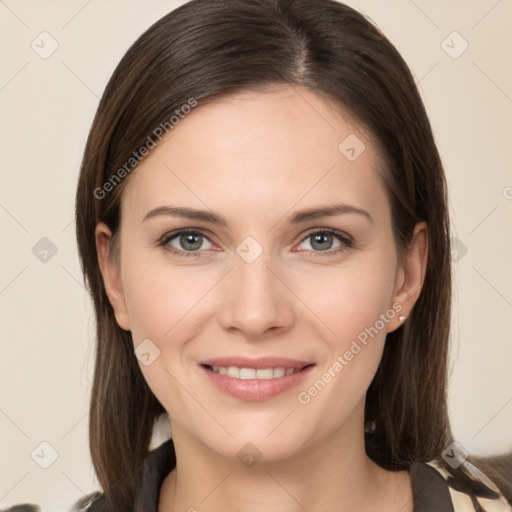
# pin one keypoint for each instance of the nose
(256, 299)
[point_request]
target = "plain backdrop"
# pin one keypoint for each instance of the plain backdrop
(47, 105)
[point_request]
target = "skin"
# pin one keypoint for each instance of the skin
(256, 158)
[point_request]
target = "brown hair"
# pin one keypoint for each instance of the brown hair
(208, 48)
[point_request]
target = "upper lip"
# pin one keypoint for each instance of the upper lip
(262, 362)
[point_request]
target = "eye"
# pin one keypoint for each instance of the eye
(323, 241)
(185, 243)
(190, 243)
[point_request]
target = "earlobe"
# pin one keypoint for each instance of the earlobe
(110, 272)
(411, 275)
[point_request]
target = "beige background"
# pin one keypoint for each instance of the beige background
(47, 326)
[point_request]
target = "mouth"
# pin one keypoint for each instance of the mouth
(255, 379)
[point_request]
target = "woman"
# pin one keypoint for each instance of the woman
(262, 224)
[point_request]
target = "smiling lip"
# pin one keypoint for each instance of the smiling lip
(252, 388)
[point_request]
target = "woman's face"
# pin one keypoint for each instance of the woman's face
(288, 266)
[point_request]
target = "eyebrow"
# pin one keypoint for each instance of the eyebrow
(296, 218)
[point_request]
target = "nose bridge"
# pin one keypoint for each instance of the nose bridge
(254, 299)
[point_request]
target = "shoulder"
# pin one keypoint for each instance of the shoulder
(93, 502)
(157, 464)
(488, 498)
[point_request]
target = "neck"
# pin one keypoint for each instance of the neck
(333, 474)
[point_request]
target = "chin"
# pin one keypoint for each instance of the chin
(251, 450)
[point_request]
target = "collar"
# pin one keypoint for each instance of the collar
(430, 491)
(157, 465)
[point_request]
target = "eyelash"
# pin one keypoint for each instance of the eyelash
(345, 239)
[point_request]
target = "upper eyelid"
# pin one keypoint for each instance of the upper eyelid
(174, 234)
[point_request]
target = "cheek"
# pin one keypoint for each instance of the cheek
(161, 305)
(351, 359)
(355, 309)
(167, 307)
(160, 299)
(350, 300)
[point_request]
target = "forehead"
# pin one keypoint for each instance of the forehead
(260, 149)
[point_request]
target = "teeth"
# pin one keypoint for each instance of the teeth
(247, 373)
(279, 372)
(253, 373)
(233, 371)
(264, 373)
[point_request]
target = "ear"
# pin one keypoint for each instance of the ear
(110, 271)
(411, 275)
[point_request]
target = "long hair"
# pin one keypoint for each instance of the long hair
(206, 49)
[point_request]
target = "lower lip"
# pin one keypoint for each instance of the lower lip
(256, 389)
